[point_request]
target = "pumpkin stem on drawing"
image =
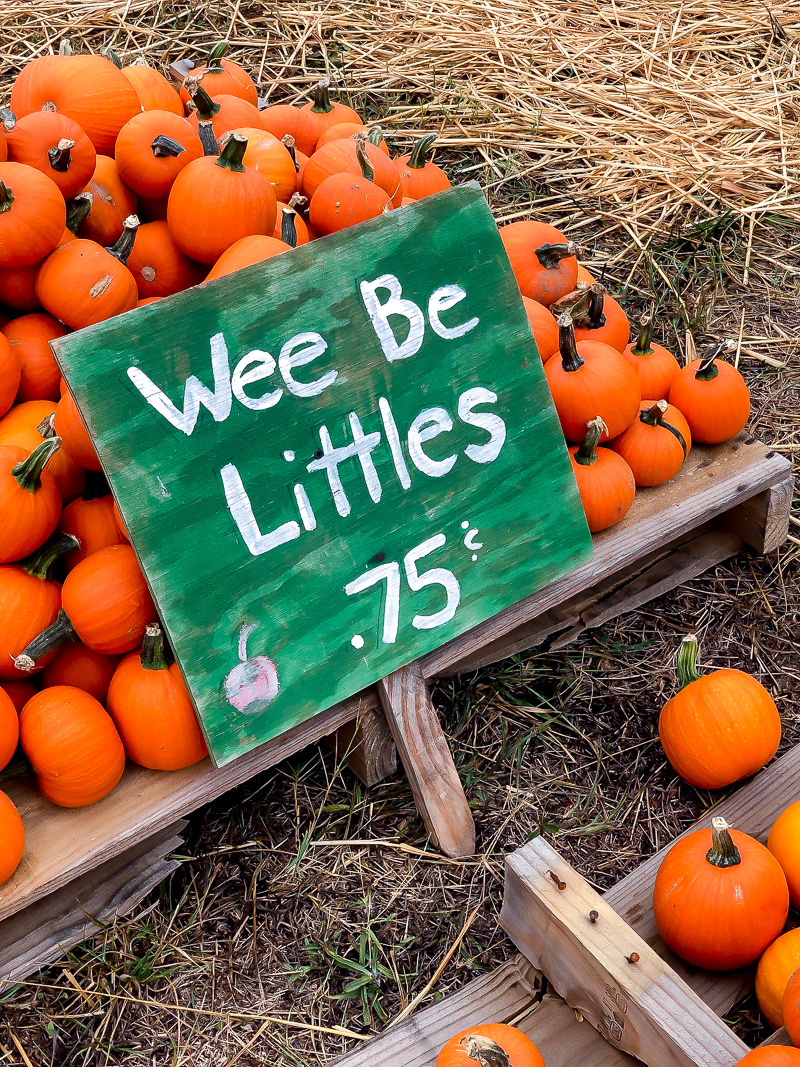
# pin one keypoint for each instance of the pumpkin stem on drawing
(244, 635)
(723, 851)
(124, 246)
(687, 661)
(586, 453)
(57, 634)
(322, 97)
(28, 472)
(6, 197)
(166, 146)
(570, 360)
(155, 654)
(206, 108)
(78, 211)
(39, 562)
(644, 342)
(60, 155)
(419, 153)
(485, 1052)
(551, 255)
(233, 153)
(288, 228)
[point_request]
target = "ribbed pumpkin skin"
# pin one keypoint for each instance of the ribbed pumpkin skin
(775, 968)
(153, 90)
(783, 844)
(19, 425)
(18, 288)
(28, 605)
(36, 134)
(94, 524)
(720, 729)
(519, 1048)
(269, 157)
(12, 838)
(606, 487)
(616, 331)
(246, 252)
(81, 284)
(88, 89)
(656, 370)
(26, 519)
(73, 746)
(719, 919)
(158, 265)
(323, 120)
(30, 337)
(20, 693)
(232, 80)
(346, 129)
(69, 427)
(654, 453)
(9, 729)
(10, 374)
(715, 410)
(772, 1056)
(80, 667)
(543, 327)
(112, 203)
(791, 1009)
(345, 200)
(147, 174)
(31, 227)
(155, 717)
(107, 601)
(282, 119)
(419, 182)
(234, 113)
(545, 284)
(340, 157)
(604, 386)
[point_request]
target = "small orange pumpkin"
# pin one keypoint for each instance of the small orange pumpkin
(290, 227)
(158, 265)
(542, 259)
(225, 113)
(588, 381)
(32, 215)
(55, 145)
(656, 444)
(20, 693)
(82, 668)
(771, 1056)
(26, 433)
(245, 252)
(605, 320)
(235, 201)
(70, 427)
(18, 288)
(775, 968)
(490, 1045)
(12, 838)
(283, 120)
(73, 746)
(9, 729)
(326, 112)
(605, 481)
(93, 523)
(152, 149)
(30, 503)
(543, 326)
(155, 93)
(30, 337)
(151, 707)
(719, 898)
(783, 844)
(10, 374)
(269, 156)
(351, 129)
(223, 77)
(345, 199)
(342, 157)
(112, 202)
(791, 1009)
(655, 365)
(419, 176)
(713, 397)
(719, 727)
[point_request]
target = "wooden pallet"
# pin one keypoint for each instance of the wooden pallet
(725, 497)
(600, 1009)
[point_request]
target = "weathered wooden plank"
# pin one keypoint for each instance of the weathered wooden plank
(602, 968)
(367, 747)
(427, 760)
(780, 1037)
(763, 520)
(52, 926)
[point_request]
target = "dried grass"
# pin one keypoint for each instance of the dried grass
(311, 911)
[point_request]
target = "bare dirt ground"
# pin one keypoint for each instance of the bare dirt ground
(310, 912)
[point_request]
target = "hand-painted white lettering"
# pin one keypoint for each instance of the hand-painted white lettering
(379, 317)
(299, 351)
(331, 458)
(304, 507)
(434, 576)
(242, 511)
(393, 439)
(217, 402)
(442, 299)
(371, 478)
(391, 611)
(484, 420)
(427, 425)
(255, 367)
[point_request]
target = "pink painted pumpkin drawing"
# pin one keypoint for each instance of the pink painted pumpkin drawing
(253, 684)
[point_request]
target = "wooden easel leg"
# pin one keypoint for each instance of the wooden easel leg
(367, 747)
(427, 760)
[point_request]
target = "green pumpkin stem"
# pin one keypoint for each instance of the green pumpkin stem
(124, 246)
(654, 416)
(56, 635)
(208, 139)
(6, 197)
(155, 655)
(60, 155)
(78, 211)
(367, 169)
(28, 472)
(723, 852)
(40, 561)
(644, 342)
(288, 228)
(484, 1051)
(687, 661)
(217, 53)
(166, 146)
(322, 97)
(233, 153)
(206, 108)
(551, 255)
(375, 136)
(708, 369)
(419, 153)
(570, 360)
(586, 453)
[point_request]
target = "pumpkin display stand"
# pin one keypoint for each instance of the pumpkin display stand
(614, 995)
(84, 866)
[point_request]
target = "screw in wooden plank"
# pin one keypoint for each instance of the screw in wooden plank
(593, 917)
(633, 958)
(559, 884)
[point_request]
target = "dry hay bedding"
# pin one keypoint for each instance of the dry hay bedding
(312, 912)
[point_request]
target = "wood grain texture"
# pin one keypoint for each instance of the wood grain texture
(52, 926)
(427, 760)
(602, 968)
(348, 490)
(780, 1037)
(763, 521)
(367, 747)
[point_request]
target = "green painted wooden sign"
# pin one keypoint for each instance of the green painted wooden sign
(333, 462)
